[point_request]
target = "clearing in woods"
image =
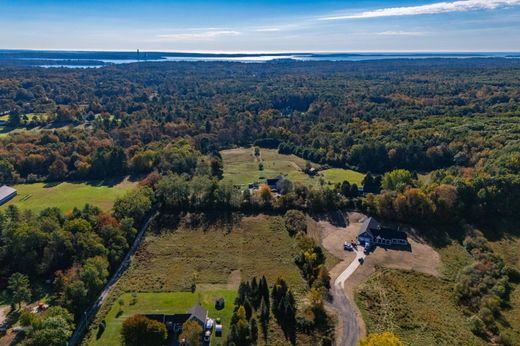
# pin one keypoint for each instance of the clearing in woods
(212, 259)
(241, 167)
(68, 195)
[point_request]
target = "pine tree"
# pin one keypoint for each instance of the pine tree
(255, 298)
(264, 317)
(263, 289)
(254, 330)
(249, 308)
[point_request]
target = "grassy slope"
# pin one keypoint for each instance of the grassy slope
(165, 302)
(420, 309)
(69, 195)
(241, 168)
(172, 261)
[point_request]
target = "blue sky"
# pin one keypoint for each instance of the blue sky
(261, 26)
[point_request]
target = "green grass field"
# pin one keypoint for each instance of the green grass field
(339, 175)
(241, 168)
(164, 302)
(66, 196)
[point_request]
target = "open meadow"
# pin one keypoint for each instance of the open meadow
(176, 259)
(68, 195)
(241, 167)
(422, 309)
(214, 261)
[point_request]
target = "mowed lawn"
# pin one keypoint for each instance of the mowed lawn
(164, 303)
(339, 175)
(68, 195)
(241, 168)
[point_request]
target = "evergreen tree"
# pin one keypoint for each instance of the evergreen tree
(254, 330)
(264, 317)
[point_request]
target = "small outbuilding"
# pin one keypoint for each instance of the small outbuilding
(219, 303)
(6, 194)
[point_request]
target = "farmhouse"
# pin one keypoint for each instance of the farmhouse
(372, 232)
(273, 183)
(174, 322)
(6, 194)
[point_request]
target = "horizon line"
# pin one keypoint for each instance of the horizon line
(262, 52)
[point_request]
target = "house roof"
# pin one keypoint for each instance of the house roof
(369, 224)
(274, 181)
(6, 191)
(388, 233)
(177, 318)
(198, 312)
(374, 229)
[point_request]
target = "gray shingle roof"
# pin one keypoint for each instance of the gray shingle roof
(199, 313)
(369, 224)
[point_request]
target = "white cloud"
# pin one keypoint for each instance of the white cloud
(435, 8)
(401, 33)
(199, 36)
(268, 29)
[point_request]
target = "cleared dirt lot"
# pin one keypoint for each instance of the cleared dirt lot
(422, 258)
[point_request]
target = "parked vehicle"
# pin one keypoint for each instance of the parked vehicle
(348, 246)
(218, 330)
(207, 336)
(209, 324)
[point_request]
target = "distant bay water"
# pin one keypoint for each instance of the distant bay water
(86, 59)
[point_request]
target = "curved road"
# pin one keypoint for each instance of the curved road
(345, 307)
(91, 312)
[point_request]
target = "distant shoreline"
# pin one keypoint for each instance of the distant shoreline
(86, 59)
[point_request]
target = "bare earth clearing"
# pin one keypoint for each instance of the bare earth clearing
(422, 258)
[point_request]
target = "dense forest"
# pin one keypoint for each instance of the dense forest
(457, 118)
(438, 139)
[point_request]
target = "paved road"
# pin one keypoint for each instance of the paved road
(91, 312)
(345, 307)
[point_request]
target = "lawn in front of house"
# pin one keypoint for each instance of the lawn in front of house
(164, 303)
(67, 195)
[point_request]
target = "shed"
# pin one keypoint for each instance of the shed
(219, 303)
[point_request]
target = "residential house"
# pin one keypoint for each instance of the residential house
(373, 233)
(174, 322)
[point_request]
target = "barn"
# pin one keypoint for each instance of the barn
(6, 194)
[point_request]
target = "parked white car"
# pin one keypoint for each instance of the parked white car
(209, 324)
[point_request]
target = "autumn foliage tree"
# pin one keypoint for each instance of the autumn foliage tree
(139, 330)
